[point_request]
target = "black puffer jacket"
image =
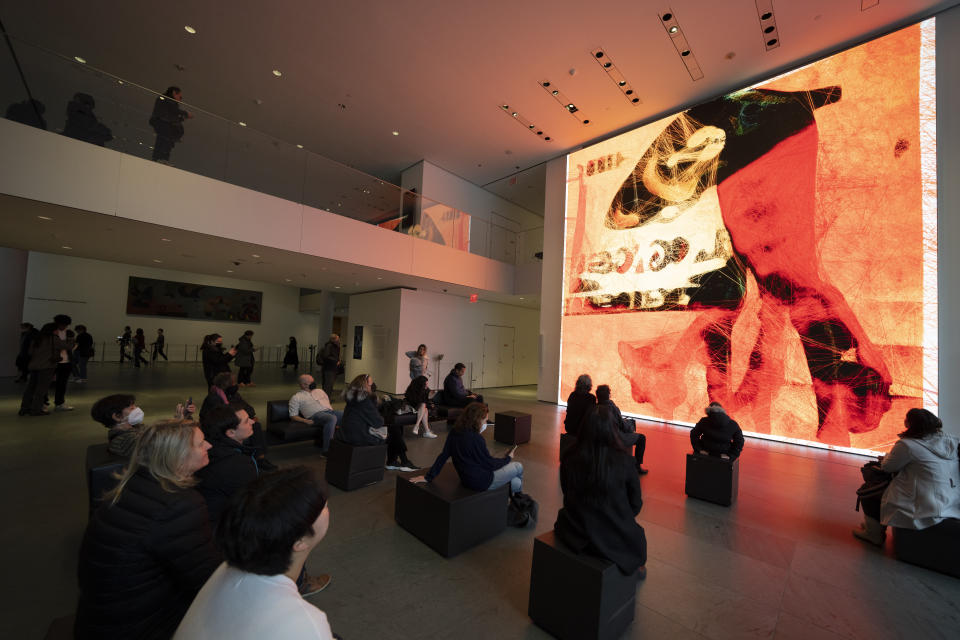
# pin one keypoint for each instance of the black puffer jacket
(142, 561)
(359, 416)
(718, 434)
(232, 467)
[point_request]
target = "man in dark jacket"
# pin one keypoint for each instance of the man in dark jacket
(27, 334)
(329, 361)
(628, 433)
(579, 403)
(454, 394)
(82, 353)
(232, 465)
(717, 434)
(167, 120)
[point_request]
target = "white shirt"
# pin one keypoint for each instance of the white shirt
(235, 604)
(309, 403)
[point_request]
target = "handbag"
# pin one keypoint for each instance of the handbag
(875, 482)
(522, 511)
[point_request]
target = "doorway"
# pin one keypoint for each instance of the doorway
(498, 356)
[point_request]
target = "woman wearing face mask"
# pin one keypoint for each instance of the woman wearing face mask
(149, 548)
(215, 359)
(478, 470)
(120, 414)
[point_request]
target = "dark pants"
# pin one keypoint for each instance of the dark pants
(162, 147)
(64, 369)
(460, 402)
(243, 376)
(328, 376)
(871, 506)
(396, 447)
(158, 351)
(639, 443)
(37, 385)
(138, 357)
(123, 353)
(80, 367)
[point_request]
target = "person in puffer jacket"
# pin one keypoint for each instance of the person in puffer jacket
(925, 489)
(717, 434)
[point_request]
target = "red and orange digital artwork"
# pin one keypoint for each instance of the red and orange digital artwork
(773, 250)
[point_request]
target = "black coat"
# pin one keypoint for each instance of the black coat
(232, 467)
(578, 406)
(607, 528)
(718, 434)
(330, 356)
(142, 561)
(215, 360)
(84, 345)
(359, 416)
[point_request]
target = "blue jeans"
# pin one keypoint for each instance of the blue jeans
(511, 472)
(328, 419)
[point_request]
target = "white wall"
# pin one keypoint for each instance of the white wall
(453, 326)
(379, 315)
(948, 205)
(551, 294)
(94, 293)
(13, 265)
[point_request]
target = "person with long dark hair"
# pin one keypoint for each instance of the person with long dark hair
(925, 489)
(149, 548)
(215, 359)
(579, 403)
(601, 496)
(44, 356)
(291, 357)
(417, 395)
(478, 470)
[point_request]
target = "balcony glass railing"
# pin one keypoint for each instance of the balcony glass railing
(73, 98)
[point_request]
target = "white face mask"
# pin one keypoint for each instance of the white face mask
(135, 417)
(483, 427)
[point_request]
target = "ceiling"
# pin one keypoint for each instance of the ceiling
(437, 71)
(83, 234)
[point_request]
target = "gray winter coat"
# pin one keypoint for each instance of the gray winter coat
(926, 487)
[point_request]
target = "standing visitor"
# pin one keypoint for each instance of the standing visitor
(158, 345)
(291, 356)
(44, 355)
(27, 333)
(139, 346)
(83, 352)
(329, 361)
(419, 362)
(215, 359)
(167, 121)
(245, 358)
(124, 341)
(64, 366)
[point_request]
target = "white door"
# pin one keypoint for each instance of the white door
(498, 347)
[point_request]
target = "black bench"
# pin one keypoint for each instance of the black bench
(448, 517)
(101, 466)
(282, 430)
(936, 547)
(512, 427)
(350, 467)
(712, 478)
(576, 596)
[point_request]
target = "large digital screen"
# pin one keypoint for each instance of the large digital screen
(773, 249)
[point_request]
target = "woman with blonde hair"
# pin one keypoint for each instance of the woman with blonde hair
(478, 470)
(149, 548)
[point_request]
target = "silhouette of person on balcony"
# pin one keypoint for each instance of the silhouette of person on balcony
(28, 112)
(167, 120)
(82, 123)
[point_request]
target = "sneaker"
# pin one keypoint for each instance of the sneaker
(406, 465)
(313, 584)
(393, 465)
(63, 407)
(429, 434)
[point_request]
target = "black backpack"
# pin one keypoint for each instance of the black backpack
(522, 511)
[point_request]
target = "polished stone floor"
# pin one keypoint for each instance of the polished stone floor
(780, 563)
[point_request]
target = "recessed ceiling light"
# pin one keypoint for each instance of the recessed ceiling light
(255, 255)
(165, 239)
(667, 16)
(673, 29)
(189, 29)
(277, 72)
(337, 287)
(521, 297)
(66, 247)
(229, 270)
(287, 280)
(242, 124)
(379, 277)
(79, 59)
(157, 260)
(299, 146)
(45, 217)
(396, 133)
(504, 106)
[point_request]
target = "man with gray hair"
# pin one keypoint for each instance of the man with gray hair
(579, 404)
(311, 405)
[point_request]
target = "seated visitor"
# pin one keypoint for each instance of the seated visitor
(224, 391)
(311, 405)
(925, 489)
(579, 403)
(123, 417)
(266, 534)
(626, 428)
(417, 396)
(364, 426)
(232, 465)
(601, 496)
(717, 434)
(148, 549)
(454, 395)
(478, 470)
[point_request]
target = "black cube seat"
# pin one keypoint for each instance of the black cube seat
(448, 517)
(281, 429)
(936, 547)
(101, 466)
(350, 467)
(512, 427)
(577, 596)
(712, 478)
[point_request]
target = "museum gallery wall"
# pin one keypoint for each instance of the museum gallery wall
(773, 250)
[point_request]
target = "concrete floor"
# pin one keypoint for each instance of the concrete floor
(780, 563)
